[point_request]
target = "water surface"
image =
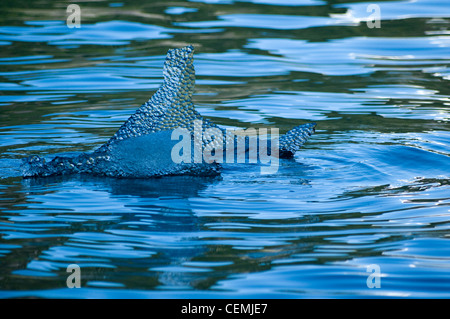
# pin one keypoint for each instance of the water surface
(371, 187)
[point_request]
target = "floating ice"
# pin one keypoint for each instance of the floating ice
(143, 146)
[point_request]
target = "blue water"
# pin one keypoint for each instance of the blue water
(371, 187)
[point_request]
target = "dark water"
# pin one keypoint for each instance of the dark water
(370, 188)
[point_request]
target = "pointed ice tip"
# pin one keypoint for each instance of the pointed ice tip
(188, 51)
(293, 140)
(184, 53)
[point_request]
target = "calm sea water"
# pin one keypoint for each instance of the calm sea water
(371, 187)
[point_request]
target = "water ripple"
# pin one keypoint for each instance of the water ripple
(371, 187)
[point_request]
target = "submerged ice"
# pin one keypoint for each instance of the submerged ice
(143, 146)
